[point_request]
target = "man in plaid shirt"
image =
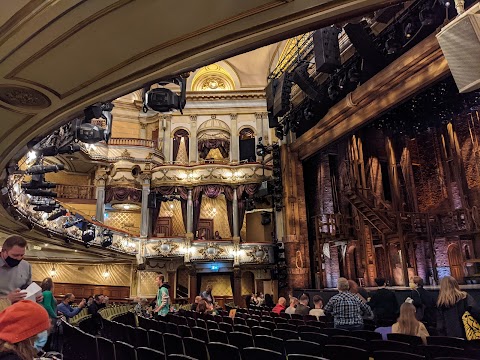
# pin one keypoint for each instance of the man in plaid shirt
(347, 309)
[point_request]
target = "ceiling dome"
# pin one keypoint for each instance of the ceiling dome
(212, 78)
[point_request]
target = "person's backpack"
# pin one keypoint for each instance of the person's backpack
(472, 327)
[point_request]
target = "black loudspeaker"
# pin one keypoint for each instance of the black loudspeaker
(281, 100)
(301, 77)
(327, 49)
(152, 201)
(266, 218)
(270, 95)
(272, 121)
(373, 59)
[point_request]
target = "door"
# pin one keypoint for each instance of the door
(456, 262)
(155, 138)
(164, 226)
(205, 227)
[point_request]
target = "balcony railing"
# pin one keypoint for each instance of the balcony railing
(85, 192)
(132, 142)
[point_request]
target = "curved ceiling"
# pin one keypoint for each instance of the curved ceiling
(57, 57)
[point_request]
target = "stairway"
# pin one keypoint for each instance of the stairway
(378, 221)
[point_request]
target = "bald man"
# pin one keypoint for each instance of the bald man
(281, 306)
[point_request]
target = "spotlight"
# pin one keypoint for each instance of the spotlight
(88, 233)
(278, 133)
(56, 215)
(42, 169)
(46, 208)
(162, 99)
(90, 133)
(354, 75)
(71, 223)
(107, 238)
(53, 150)
(409, 30)
(392, 45)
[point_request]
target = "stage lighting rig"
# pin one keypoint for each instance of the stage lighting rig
(162, 99)
(262, 149)
(88, 234)
(39, 192)
(90, 133)
(53, 150)
(73, 222)
(46, 208)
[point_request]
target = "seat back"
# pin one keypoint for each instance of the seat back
(173, 344)
(145, 353)
(220, 351)
(195, 348)
(317, 338)
(341, 352)
(396, 355)
(124, 351)
(253, 353)
(411, 339)
(155, 340)
(260, 330)
(447, 340)
(184, 331)
(348, 341)
(390, 345)
(200, 333)
(366, 335)
(215, 335)
(303, 347)
(285, 334)
(241, 328)
(270, 343)
(141, 337)
(240, 340)
(106, 349)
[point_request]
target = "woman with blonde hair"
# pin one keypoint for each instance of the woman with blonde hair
(408, 324)
(452, 304)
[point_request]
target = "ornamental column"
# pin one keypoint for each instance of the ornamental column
(193, 147)
(143, 130)
(145, 179)
(190, 212)
(237, 287)
(166, 125)
(236, 232)
(234, 147)
(100, 180)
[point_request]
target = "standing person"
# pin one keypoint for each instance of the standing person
(207, 294)
(65, 307)
(318, 311)
(163, 298)
(452, 304)
(347, 309)
(408, 324)
(49, 302)
(423, 301)
(93, 308)
(384, 303)
(303, 308)
(354, 290)
(20, 324)
(15, 273)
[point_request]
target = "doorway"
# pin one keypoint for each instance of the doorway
(456, 262)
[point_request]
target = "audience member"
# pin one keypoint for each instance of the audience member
(424, 301)
(202, 306)
(354, 290)
(269, 301)
(260, 299)
(217, 236)
(49, 302)
(15, 272)
(90, 300)
(65, 307)
(93, 308)
(383, 303)
(163, 298)
(347, 309)
(408, 324)
(195, 304)
(293, 304)
(452, 304)
(141, 308)
(318, 303)
(207, 294)
(281, 306)
(20, 325)
(303, 308)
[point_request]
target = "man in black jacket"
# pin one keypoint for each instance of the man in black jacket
(424, 301)
(384, 303)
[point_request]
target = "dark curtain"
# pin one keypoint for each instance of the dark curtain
(228, 191)
(183, 192)
(162, 190)
(247, 149)
(197, 205)
(204, 146)
(122, 194)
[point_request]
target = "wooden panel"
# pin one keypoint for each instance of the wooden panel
(205, 227)
(115, 293)
(164, 226)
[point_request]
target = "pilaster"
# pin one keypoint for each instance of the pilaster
(144, 225)
(193, 148)
(234, 145)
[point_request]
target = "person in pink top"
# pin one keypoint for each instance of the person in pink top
(280, 306)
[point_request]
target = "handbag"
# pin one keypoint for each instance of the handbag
(472, 327)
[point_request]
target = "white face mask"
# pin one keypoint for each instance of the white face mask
(41, 340)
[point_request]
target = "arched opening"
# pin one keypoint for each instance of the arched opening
(456, 262)
(180, 146)
(247, 145)
(182, 282)
(213, 137)
(351, 262)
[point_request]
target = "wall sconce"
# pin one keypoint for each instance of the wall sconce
(106, 273)
(214, 211)
(53, 272)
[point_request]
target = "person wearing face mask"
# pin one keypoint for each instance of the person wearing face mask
(15, 273)
(20, 327)
(65, 307)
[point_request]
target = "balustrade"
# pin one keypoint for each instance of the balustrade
(132, 142)
(86, 192)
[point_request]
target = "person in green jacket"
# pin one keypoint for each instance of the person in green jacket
(49, 302)
(163, 298)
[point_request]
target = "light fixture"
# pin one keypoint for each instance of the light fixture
(126, 207)
(106, 273)
(171, 206)
(45, 244)
(53, 272)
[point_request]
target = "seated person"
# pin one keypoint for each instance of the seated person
(281, 306)
(66, 309)
(408, 324)
(318, 310)
(217, 236)
(303, 308)
(202, 307)
(293, 304)
(195, 304)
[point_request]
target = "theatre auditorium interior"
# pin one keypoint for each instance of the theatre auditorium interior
(254, 179)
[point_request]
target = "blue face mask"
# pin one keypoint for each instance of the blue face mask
(41, 340)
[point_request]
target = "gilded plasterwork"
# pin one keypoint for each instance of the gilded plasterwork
(128, 221)
(213, 78)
